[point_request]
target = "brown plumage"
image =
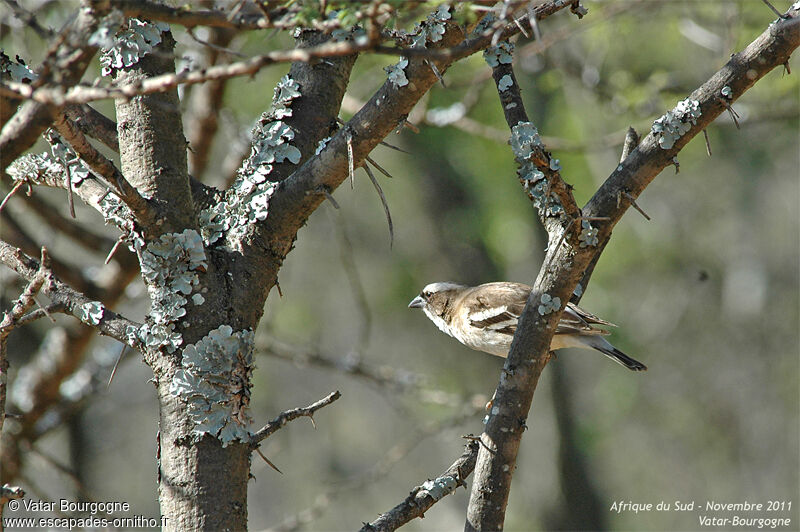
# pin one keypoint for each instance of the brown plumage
(485, 318)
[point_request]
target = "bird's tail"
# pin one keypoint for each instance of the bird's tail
(600, 343)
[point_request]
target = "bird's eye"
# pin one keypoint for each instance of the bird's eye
(426, 294)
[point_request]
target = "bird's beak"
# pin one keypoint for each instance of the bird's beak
(417, 302)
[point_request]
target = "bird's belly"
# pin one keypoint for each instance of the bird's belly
(492, 343)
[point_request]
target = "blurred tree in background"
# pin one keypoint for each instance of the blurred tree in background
(705, 292)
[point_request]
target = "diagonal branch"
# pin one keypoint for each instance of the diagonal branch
(289, 415)
(11, 320)
(529, 350)
(101, 165)
(296, 199)
(514, 111)
(65, 64)
(423, 497)
(109, 323)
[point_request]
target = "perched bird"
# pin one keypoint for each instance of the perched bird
(485, 318)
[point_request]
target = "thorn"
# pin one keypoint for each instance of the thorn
(677, 164)
(630, 143)
(116, 364)
(267, 461)
(632, 200)
(311, 417)
(780, 15)
(44, 309)
(731, 111)
(70, 200)
(708, 144)
(11, 193)
(278, 286)
(786, 67)
(113, 250)
(409, 125)
(384, 143)
(330, 198)
(522, 29)
(436, 73)
(376, 165)
(350, 162)
(383, 202)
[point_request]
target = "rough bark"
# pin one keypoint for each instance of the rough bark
(529, 351)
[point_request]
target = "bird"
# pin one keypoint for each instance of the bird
(485, 317)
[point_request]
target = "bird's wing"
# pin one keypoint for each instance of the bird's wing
(576, 320)
(496, 306)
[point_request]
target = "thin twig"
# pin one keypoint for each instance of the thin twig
(273, 426)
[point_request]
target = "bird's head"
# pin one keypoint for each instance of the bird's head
(436, 297)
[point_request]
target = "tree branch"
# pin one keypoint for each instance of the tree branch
(423, 497)
(10, 322)
(529, 350)
(95, 160)
(289, 415)
(109, 324)
(64, 65)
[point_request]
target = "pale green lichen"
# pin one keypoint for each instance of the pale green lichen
(91, 312)
(169, 267)
(125, 48)
(500, 54)
(437, 488)
(524, 138)
(214, 382)
(247, 200)
(676, 122)
(321, 145)
(548, 304)
(726, 92)
(588, 236)
(396, 74)
(432, 28)
(505, 82)
(38, 168)
(578, 292)
(16, 70)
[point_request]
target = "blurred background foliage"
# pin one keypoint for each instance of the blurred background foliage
(706, 294)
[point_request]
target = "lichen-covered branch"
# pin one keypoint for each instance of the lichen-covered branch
(65, 65)
(90, 312)
(423, 497)
(60, 95)
(540, 172)
(11, 320)
(528, 355)
(408, 81)
(101, 165)
(289, 415)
